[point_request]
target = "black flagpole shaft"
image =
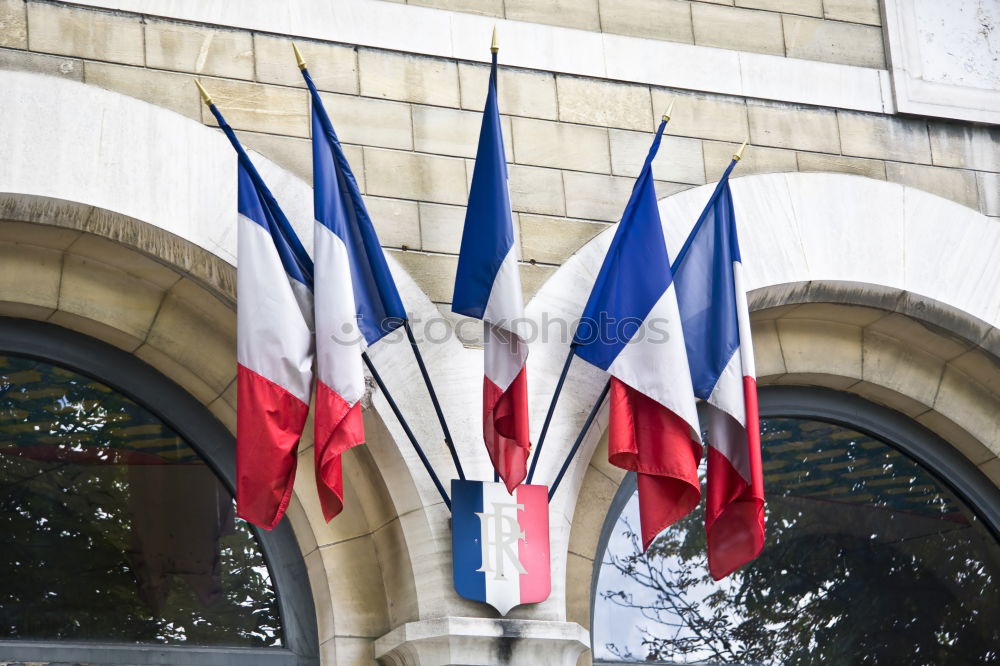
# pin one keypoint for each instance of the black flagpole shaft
(579, 439)
(449, 442)
(406, 429)
(548, 417)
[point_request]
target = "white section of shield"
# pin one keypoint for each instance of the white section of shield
(273, 337)
(654, 361)
(504, 346)
(503, 593)
(339, 342)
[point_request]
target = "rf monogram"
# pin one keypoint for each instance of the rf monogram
(500, 534)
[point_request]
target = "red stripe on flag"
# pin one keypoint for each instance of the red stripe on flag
(533, 550)
(269, 422)
(647, 438)
(338, 428)
(734, 513)
(505, 428)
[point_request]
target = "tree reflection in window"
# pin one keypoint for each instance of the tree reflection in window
(111, 526)
(868, 560)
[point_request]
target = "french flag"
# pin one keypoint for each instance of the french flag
(708, 275)
(631, 328)
(274, 346)
(488, 287)
(356, 300)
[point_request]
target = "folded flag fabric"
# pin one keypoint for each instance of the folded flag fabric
(631, 328)
(488, 287)
(356, 299)
(708, 275)
(274, 346)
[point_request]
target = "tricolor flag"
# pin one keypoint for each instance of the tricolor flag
(274, 346)
(488, 287)
(708, 275)
(631, 328)
(356, 299)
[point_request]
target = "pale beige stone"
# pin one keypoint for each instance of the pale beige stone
(43, 235)
(370, 122)
(397, 573)
(85, 33)
(362, 472)
(884, 137)
(594, 197)
(855, 315)
(581, 14)
(989, 193)
(755, 160)
(955, 184)
(786, 126)
(955, 435)
(536, 190)
(290, 152)
(980, 366)
(739, 29)
(433, 273)
(766, 348)
(256, 107)
(970, 405)
(810, 346)
(482, 7)
(604, 103)
(552, 240)
(896, 365)
(669, 20)
(333, 68)
(887, 397)
(679, 160)
(453, 132)
(702, 116)
(579, 573)
(991, 468)
(349, 524)
(600, 462)
(804, 7)
(13, 24)
(533, 278)
(408, 78)
(593, 502)
(417, 176)
(522, 92)
(855, 11)
(133, 263)
(921, 336)
(356, 590)
(966, 146)
(441, 227)
(182, 47)
(666, 189)
(180, 373)
(559, 145)
(225, 412)
(354, 651)
(396, 221)
(834, 41)
(25, 61)
(841, 164)
(29, 274)
(176, 92)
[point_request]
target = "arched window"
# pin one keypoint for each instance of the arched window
(870, 558)
(115, 529)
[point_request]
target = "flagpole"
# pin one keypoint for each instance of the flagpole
(579, 438)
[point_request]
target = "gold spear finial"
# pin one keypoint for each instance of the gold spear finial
(204, 93)
(739, 153)
(494, 46)
(298, 57)
(670, 111)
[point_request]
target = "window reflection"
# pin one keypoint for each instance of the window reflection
(868, 560)
(111, 526)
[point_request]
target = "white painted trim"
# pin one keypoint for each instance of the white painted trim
(449, 34)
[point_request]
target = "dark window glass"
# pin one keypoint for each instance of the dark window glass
(868, 560)
(112, 528)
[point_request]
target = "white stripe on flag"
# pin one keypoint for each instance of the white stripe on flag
(743, 319)
(505, 349)
(501, 593)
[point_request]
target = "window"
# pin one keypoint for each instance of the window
(869, 559)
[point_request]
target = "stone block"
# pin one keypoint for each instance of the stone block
(26, 61)
(260, 108)
(396, 222)
(855, 315)
(452, 132)
(182, 47)
(356, 590)
(920, 336)
(955, 435)
(29, 274)
(840, 164)
(441, 228)
(291, 152)
(893, 364)
(803, 7)
(533, 278)
(179, 372)
(834, 41)
(884, 137)
(583, 14)
(989, 193)
(393, 554)
(85, 33)
(702, 116)
(593, 502)
(579, 574)
(176, 92)
(679, 160)
(991, 468)
(982, 367)
(40, 234)
(738, 29)
(408, 78)
(786, 126)
(966, 146)
(886, 397)
(536, 190)
(766, 348)
(13, 24)
(333, 68)
(350, 523)
(560, 145)
(970, 405)
(604, 103)
(370, 122)
(482, 7)
(594, 197)
(552, 240)
(854, 11)
(669, 20)
(755, 160)
(522, 92)
(402, 175)
(433, 273)
(137, 265)
(821, 347)
(955, 184)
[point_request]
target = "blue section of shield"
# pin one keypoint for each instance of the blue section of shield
(466, 539)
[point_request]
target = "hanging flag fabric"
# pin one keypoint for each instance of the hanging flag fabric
(274, 346)
(488, 287)
(708, 275)
(631, 328)
(356, 299)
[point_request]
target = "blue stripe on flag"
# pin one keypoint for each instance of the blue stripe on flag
(466, 531)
